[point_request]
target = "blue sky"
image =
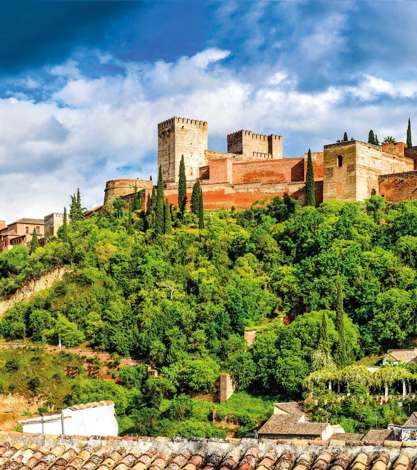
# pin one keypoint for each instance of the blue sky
(84, 83)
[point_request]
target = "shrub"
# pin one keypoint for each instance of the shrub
(12, 365)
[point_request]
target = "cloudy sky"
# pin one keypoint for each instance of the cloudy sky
(83, 84)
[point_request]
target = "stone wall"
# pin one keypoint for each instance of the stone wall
(243, 196)
(255, 146)
(179, 137)
(399, 187)
(268, 171)
(351, 169)
(371, 164)
(124, 187)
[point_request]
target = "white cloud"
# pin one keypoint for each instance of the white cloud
(91, 130)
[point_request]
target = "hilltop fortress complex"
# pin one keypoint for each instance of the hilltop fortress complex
(254, 168)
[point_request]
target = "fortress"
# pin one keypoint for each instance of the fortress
(254, 168)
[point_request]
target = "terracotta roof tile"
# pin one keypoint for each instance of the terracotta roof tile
(36, 452)
(282, 424)
(290, 407)
(376, 437)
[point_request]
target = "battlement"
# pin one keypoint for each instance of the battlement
(253, 135)
(170, 123)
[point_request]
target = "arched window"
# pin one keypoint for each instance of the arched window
(339, 161)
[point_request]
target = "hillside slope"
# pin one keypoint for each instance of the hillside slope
(181, 301)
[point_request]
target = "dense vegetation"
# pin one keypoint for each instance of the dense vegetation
(180, 298)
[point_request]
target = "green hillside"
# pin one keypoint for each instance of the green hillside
(180, 301)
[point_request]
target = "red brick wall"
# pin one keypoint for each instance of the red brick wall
(268, 171)
(399, 187)
(220, 171)
(227, 196)
(397, 148)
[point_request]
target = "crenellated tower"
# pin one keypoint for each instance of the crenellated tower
(179, 137)
(253, 146)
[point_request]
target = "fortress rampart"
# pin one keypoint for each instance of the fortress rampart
(124, 187)
(254, 168)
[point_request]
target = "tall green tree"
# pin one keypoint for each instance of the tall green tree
(324, 340)
(76, 208)
(345, 137)
(167, 218)
(376, 140)
(200, 210)
(34, 243)
(65, 226)
(341, 354)
(182, 188)
(409, 136)
(195, 197)
(371, 137)
(310, 185)
(152, 201)
(159, 207)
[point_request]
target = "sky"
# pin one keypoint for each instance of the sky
(83, 84)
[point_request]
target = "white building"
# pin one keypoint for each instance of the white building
(91, 419)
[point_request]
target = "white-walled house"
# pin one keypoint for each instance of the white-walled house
(90, 419)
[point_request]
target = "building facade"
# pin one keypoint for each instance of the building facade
(20, 232)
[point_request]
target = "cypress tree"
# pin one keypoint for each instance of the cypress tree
(34, 243)
(341, 350)
(345, 137)
(79, 200)
(167, 218)
(195, 197)
(376, 140)
(73, 208)
(310, 186)
(65, 226)
(76, 209)
(409, 136)
(371, 137)
(324, 343)
(182, 188)
(159, 206)
(152, 201)
(200, 209)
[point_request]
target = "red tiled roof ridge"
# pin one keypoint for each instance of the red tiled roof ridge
(197, 442)
(34, 451)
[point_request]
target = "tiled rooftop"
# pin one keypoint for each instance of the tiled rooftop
(279, 424)
(402, 355)
(39, 452)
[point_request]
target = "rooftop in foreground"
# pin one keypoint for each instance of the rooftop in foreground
(41, 452)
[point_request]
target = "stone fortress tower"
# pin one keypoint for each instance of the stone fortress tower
(254, 146)
(182, 137)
